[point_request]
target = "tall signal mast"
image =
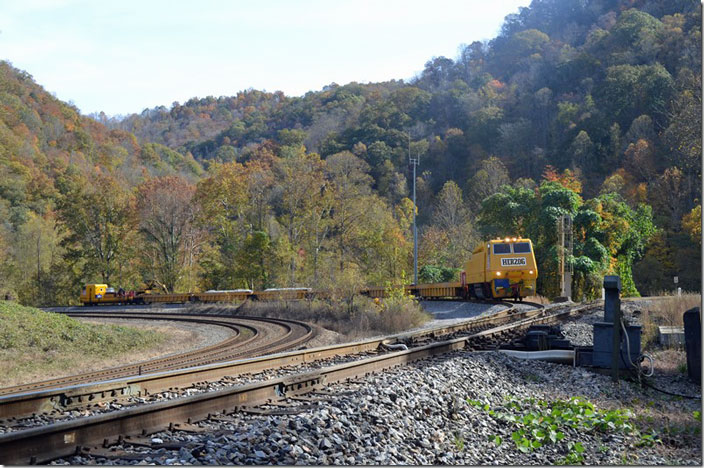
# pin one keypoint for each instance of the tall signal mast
(414, 162)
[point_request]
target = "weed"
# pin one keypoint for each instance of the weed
(532, 378)
(574, 454)
(541, 422)
(648, 440)
(459, 442)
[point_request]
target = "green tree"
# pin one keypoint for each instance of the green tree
(222, 200)
(99, 217)
(632, 90)
(300, 179)
(252, 259)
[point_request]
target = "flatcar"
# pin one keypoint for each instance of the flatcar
(228, 295)
(282, 294)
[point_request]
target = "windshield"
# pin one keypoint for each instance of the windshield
(521, 247)
(502, 248)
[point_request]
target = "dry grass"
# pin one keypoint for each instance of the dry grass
(538, 299)
(669, 361)
(360, 318)
(397, 314)
(666, 312)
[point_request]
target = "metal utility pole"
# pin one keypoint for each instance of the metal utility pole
(414, 162)
(564, 229)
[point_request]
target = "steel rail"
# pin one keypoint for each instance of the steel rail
(78, 396)
(218, 352)
(65, 438)
(225, 350)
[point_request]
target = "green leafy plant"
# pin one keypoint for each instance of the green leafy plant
(648, 440)
(459, 442)
(541, 422)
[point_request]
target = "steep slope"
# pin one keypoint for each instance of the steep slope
(609, 89)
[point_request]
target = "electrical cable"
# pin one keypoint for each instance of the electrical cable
(628, 344)
(652, 364)
(671, 393)
(637, 374)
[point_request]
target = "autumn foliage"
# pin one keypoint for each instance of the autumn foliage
(591, 109)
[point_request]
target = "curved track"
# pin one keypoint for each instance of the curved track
(253, 336)
(86, 434)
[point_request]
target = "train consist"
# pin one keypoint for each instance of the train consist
(498, 269)
(96, 294)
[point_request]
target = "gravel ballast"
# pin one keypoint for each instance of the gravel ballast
(419, 414)
(426, 413)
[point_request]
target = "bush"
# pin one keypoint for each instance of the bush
(398, 312)
(435, 274)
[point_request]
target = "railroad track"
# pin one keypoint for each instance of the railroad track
(263, 335)
(53, 397)
(44, 443)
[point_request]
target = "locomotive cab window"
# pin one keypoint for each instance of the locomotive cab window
(521, 247)
(502, 248)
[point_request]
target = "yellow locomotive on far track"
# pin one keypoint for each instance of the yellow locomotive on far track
(501, 268)
(498, 269)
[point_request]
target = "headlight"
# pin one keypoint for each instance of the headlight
(530, 272)
(498, 273)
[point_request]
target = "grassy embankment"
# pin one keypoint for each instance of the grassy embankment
(36, 345)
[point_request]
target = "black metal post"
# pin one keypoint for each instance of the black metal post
(612, 313)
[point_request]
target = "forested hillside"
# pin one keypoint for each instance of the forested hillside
(586, 108)
(56, 165)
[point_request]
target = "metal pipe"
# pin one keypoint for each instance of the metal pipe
(560, 356)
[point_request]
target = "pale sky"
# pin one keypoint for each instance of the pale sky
(123, 56)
